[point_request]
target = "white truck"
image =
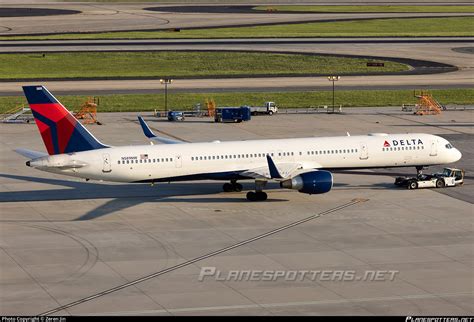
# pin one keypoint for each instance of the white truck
(270, 108)
(448, 178)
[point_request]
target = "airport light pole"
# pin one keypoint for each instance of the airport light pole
(166, 81)
(333, 79)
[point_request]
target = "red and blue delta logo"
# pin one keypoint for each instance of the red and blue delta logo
(408, 142)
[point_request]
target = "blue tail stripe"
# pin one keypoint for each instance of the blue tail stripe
(35, 96)
(81, 140)
(52, 127)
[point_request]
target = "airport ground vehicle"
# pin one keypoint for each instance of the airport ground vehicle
(232, 114)
(450, 177)
(270, 108)
(175, 116)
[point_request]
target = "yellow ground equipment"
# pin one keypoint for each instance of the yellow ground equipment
(427, 105)
(211, 107)
(88, 111)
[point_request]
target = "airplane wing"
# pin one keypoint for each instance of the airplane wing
(30, 153)
(279, 171)
(273, 171)
(152, 136)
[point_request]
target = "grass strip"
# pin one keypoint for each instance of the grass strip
(186, 101)
(408, 27)
(180, 64)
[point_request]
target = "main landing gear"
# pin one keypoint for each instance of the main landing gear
(232, 186)
(258, 195)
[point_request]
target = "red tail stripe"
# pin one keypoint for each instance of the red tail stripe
(52, 111)
(46, 135)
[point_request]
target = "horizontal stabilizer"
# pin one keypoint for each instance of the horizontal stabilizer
(152, 136)
(30, 153)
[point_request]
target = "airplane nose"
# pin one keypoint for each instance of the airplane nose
(457, 155)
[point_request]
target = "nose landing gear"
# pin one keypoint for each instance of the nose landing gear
(419, 171)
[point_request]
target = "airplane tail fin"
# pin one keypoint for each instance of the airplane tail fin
(60, 130)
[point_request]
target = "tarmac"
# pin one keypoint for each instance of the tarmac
(63, 240)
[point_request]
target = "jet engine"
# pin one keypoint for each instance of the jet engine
(314, 182)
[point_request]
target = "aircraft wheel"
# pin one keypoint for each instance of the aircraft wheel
(251, 196)
(262, 196)
(238, 187)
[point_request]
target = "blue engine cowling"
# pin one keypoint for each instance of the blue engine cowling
(310, 182)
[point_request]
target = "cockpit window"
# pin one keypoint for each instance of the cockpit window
(449, 146)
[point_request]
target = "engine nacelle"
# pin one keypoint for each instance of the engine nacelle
(310, 182)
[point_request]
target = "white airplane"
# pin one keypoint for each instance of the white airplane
(302, 164)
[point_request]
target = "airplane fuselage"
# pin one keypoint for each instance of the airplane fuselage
(230, 160)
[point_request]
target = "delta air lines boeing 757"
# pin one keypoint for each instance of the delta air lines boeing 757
(302, 164)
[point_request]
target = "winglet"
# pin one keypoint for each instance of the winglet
(145, 128)
(274, 173)
(152, 136)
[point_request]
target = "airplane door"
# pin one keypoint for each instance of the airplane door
(178, 161)
(364, 152)
(106, 163)
(434, 148)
